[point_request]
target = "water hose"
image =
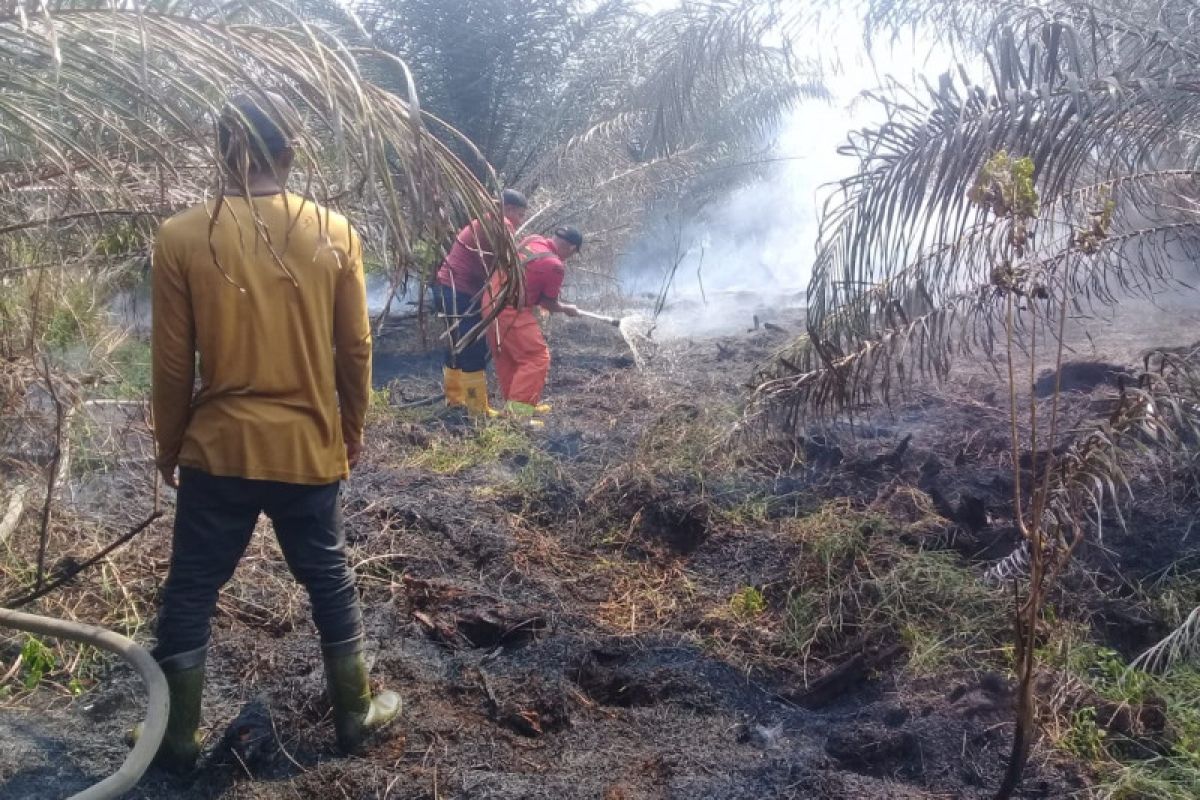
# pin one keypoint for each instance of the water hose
(616, 323)
(139, 658)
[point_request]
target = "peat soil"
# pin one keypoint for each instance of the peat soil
(553, 614)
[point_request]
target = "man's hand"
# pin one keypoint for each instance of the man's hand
(353, 451)
(558, 307)
(168, 476)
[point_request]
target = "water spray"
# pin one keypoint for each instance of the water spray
(635, 330)
(614, 321)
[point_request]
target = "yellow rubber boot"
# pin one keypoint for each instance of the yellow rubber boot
(452, 382)
(475, 394)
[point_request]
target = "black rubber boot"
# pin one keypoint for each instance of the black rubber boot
(355, 713)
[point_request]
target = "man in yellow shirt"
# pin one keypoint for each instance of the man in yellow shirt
(267, 287)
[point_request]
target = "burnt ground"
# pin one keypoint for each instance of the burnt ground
(618, 606)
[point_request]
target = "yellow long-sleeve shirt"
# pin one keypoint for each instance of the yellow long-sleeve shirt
(275, 304)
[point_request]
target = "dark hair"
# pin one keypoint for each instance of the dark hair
(511, 197)
(257, 131)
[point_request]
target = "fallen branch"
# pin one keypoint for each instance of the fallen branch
(424, 401)
(870, 658)
(60, 424)
(75, 569)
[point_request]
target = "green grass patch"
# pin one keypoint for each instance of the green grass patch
(687, 440)
(749, 512)
(1173, 776)
(836, 531)
(946, 614)
(748, 603)
(1175, 598)
(37, 661)
(1168, 778)
(538, 474)
(131, 366)
(856, 577)
(75, 317)
(1084, 738)
(487, 444)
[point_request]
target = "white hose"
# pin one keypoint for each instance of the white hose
(158, 702)
(599, 317)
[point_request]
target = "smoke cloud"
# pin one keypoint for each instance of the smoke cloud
(750, 253)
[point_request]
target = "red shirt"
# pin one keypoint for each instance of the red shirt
(470, 260)
(544, 269)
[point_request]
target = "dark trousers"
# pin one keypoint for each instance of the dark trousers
(461, 308)
(214, 519)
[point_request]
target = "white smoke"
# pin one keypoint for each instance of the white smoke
(750, 254)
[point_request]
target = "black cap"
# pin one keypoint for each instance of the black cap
(571, 235)
(511, 197)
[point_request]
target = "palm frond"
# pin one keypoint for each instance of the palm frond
(909, 237)
(1180, 645)
(109, 109)
(1162, 412)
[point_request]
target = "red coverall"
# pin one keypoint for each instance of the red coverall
(518, 348)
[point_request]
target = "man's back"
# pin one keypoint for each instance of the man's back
(544, 269)
(262, 295)
(269, 292)
(471, 259)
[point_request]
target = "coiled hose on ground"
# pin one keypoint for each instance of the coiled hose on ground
(158, 704)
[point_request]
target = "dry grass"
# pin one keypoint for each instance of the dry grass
(643, 598)
(119, 593)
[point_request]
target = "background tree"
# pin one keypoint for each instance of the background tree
(597, 111)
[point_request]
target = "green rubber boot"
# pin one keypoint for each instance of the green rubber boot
(524, 412)
(185, 682)
(355, 713)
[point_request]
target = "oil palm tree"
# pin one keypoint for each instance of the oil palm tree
(983, 213)
(597, 109)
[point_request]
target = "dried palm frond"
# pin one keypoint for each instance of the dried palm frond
(1162, 412)
(910, 329)
(1012, 567)
(1180, 645)
(107, 111)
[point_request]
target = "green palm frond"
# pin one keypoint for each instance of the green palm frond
(511, 76)
(531, 82)
(702, 64)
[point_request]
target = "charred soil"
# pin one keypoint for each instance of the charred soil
(632, 603)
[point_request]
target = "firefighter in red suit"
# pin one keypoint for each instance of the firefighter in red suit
(518, 348)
